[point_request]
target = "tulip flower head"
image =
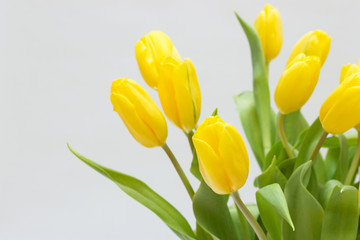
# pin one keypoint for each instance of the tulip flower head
(316, 43)
(269, 28)
(150, 51)
(297, 83)
(139, 112)
(179, 93)
(222, 155)
(341, 110)
(348, 70)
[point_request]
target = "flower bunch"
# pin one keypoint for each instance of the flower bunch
(303, 194)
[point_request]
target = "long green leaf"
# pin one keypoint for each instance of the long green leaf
(212, 213)
(341, 214)
(241, 225)
(306, 212)
(246, 108)
(334, 142)
(146, 196)
(273, 209)
(309, 143)
(260, 85)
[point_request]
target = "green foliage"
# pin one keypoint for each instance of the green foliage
(212, 213)
(273, 209)
(146, 196)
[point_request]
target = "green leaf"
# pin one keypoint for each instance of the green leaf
(146, 196)
(273, 209)
(305, 211)
(309, 143)
(334, 142)
(341, 214)
(331, 162)
(212, 213)
(246, 108)
(294, 125)
(194, 168)
(271, 175)
(275, 151)
(260, 85)
(243, 228)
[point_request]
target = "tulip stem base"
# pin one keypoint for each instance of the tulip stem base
(189, 137)
(249, 217)
(179, 170)
(354, 164)
(283, 136)
(318, 146)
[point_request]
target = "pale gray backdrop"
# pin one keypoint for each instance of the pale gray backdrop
(57, 62)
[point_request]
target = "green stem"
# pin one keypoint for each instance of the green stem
(318, 146)
(179, 170)
(249, 217)
(354, 164)
(283, 136)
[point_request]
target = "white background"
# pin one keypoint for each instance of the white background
(57, 62)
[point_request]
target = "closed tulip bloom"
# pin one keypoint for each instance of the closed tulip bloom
(139, 112)
(269, 28)
(341, 110)
(222, 155)
(297, 83)
(348, 70)
(316, 43)
(179, 93)
(150, 51)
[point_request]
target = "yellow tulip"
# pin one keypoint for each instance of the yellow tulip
(150, 51)
(139, 112)
(341, 110)
(179, 93)
(269, 28)
(316, 43)
(348, 70)
(297, 83)
(222, 155)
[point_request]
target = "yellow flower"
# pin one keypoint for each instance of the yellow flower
(316, 43)
(341, 110)
(222, 155)
(348, 70)
(297, 83)
(269, 28)
(139, 112)
(179, 93)
(150, 51)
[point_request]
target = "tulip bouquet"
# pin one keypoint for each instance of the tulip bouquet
(304, 193)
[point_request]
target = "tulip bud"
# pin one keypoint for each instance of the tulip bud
(150, 51)
(341, 110)
(316, 43)
(179, 93)
(297, 83)
(139, 112)
(269, 28)
(348, 70)
(222, 155)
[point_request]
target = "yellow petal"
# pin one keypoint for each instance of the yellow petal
(345, 113)
(297, 83)
(348, 70)
(212, 168)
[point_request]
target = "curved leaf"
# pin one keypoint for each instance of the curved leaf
(146, 196)
(241, 225)
(246, 108)
(306, 212)
(341, 214)
(273, 209)
(271, 175)
(260, 85)
(212, 213)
